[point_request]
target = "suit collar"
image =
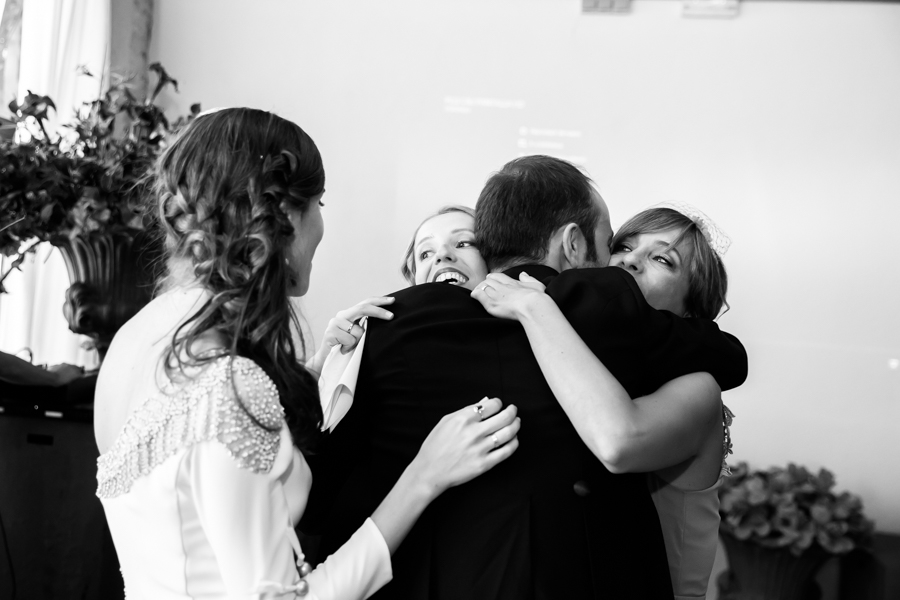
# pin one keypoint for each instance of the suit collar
(539, 272)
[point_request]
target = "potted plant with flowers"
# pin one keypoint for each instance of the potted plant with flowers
(779, 526)
(81, 191)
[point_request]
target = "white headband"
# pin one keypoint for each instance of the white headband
(715, 237)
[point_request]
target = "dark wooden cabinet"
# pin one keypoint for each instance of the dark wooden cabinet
(54, 541)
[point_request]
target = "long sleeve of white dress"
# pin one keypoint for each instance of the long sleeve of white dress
(246, 517)
(201, 500)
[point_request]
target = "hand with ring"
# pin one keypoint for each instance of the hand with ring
(508, 298)
(466, 443)
(345, 329)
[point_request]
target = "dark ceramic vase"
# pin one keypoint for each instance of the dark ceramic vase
(759, 573)
(111, 277)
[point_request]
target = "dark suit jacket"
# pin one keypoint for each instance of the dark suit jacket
(550, 522)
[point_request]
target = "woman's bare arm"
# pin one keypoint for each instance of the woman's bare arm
(652, 432)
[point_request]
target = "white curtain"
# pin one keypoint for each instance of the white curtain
(58, 36)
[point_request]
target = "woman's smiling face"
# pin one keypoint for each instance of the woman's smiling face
(444, 250)
(660, 270)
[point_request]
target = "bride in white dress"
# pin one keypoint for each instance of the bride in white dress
(203, 411)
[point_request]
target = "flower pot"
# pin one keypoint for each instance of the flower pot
(759, 573)
(111, 278)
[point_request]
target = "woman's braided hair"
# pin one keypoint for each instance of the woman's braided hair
(220, 190)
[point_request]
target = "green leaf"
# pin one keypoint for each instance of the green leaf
(820, 513)
(164, 80)
(46, 213)
(49, 191)
(825, 479)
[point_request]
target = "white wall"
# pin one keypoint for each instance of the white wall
(782, 124)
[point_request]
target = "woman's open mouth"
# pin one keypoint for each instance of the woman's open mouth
(451, 276)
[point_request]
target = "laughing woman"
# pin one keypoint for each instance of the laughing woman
(442, 250)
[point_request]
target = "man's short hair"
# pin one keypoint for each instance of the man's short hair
(525, 203)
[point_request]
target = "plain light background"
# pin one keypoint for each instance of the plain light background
(783, 125)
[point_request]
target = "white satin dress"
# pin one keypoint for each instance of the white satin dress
(201, 499)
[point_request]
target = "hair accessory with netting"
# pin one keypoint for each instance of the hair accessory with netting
(716, 238)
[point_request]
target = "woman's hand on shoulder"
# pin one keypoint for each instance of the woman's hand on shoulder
(467, 443)
(345, 330)
(504, 297)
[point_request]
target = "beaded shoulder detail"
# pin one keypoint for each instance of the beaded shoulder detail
(205, 409)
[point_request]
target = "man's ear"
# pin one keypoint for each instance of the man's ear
(574, 246)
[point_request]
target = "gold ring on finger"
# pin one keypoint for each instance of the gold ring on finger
(495, 440)
(480, 410)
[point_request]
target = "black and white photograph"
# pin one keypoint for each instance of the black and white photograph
(462, 300)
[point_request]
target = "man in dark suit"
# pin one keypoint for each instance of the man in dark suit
(551, 521)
